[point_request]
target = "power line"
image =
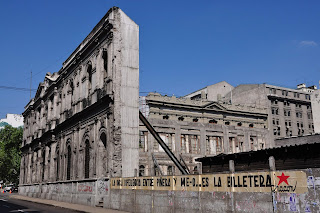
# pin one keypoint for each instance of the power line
(18, 88)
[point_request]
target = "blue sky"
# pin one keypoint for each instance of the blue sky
(184, 45)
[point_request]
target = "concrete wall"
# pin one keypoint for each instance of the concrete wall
(193, 201)
(88, 192)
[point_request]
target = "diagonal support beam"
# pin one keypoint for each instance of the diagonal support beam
(162, 144)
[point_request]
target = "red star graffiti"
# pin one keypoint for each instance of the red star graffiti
(283, 178)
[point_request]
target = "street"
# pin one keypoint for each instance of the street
(9, 204)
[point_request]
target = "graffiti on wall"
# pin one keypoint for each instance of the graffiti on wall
(84, 188)
(280, 181)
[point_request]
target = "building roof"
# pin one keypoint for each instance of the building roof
(291, 156)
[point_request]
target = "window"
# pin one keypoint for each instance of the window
(141, 170)
(298, 95)
(89, 71)
(143, 138)
(69, 163)
(213, 121)
(227, 123)
(239, 124)
(169, 170)
(299, 114)
(295, 94)
(181, 118)
(251, 125)
(57, 164)
(87, 159)
(105, 60)
(71, 87)
(190, 144)
(103, 139)
(251, 143)
(195, 120)
(43, 163)
(165, 117)
(231, 144)
(168, 139)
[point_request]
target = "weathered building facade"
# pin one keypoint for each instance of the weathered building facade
(82, 124)
(289, 110)
(197, 128)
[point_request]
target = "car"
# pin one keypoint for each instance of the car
(14, 189)
(8, 188)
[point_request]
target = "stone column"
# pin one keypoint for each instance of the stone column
(225, 139)
(22, 168)
(231, 166)
(202, 141)
(272, 163)
(177, 135)
(246, 142)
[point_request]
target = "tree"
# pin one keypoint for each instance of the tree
(10, 154)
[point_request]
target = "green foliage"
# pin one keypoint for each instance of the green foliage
(10, 154)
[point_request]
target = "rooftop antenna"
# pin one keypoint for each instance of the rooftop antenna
(30, 84)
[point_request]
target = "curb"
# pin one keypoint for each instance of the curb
(71, 206)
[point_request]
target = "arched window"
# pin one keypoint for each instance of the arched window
(87, 160)
(43, 162)
(57, 164)
(103, 139)
(69, 163)
(141, 170)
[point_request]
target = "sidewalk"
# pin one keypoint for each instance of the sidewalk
(72, 206)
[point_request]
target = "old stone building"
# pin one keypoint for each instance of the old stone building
(82, 124)
(197, 128)
(289, 110)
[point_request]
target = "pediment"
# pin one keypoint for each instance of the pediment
(214, 106)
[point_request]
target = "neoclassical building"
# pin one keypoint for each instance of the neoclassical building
(194, 128)
(82, 125)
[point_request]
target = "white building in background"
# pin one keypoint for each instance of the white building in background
(13, 120)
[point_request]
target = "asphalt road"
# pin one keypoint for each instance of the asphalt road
(8, 204)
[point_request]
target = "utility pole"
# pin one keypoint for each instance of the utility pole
(30, 84)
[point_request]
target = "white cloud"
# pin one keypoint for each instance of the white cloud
(308, 44)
